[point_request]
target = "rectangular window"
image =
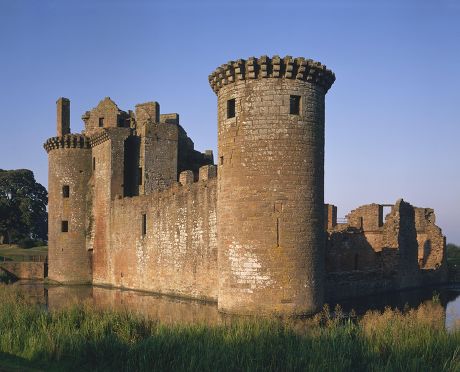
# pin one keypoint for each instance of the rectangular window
(94, 163)
(65, 191)
(231, 108)
(139, 176)
(64, 226)
(221, 160)
(144, 224)
(101, 122)
(294, 105)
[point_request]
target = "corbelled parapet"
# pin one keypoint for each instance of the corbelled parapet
(99, 137)
(67, 141)
(276, 67)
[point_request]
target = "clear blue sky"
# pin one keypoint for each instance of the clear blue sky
(392, 116)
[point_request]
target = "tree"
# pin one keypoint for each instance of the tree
(23, 203)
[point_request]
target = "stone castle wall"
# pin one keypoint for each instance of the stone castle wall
(24, 270)
(175, 254)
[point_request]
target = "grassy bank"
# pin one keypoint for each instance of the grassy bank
(83, 338)
(16, 253)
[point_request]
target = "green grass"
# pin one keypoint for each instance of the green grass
(82, 338)
(15, 253)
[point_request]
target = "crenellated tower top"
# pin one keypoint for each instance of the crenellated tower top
(68, 141)
(275, 67)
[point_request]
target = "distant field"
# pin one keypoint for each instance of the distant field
(15, 253)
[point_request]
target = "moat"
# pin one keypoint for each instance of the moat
(170, 310)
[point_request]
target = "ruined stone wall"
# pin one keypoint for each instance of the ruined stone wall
(384, 258)
(348, 249)
(431, 242)
(367, 217)
(348, 284)
(271, 186)
(158, 149)
(177, 254)
(188, 157)
(330, 216)
(105, 115)
(69, 165)
(24, 270)
(399, 234)
(159, 157)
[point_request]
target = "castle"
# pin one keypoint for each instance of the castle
(132, 204)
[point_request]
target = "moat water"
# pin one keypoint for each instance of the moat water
(168, 309)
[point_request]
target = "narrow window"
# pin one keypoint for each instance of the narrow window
(221, 160)
(144, 224)
(94, 163)
(101, 122)
(294, 105)
(64, 226)
(65, 191)
(231, 108)
(139, 176)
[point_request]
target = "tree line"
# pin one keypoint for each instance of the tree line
(23, 215)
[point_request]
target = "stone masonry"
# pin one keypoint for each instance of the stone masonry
(132, 204)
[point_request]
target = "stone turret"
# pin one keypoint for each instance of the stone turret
(69, 157)
(270, 222)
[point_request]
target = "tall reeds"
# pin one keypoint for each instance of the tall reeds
(83, 338)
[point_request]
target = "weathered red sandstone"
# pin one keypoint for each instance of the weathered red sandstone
(132, 204)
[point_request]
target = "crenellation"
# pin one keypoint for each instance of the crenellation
(275, 67)
(145, 210)
(67, 141)
(186, 177)
(207, 172)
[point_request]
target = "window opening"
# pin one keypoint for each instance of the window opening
(64, 226)
(101, 122)
(144, 224)
(231, 108)
(65, 191)
(294, 105)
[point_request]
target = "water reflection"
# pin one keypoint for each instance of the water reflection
(172, 310)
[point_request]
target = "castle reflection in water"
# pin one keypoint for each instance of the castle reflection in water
(172, 310)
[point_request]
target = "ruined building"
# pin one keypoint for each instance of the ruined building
(132, 204)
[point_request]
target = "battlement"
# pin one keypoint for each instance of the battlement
(68, 141)
(276, 67)
(206, 173)
(99, 138)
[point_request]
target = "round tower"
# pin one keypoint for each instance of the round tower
(271, 238)
(69, 158)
